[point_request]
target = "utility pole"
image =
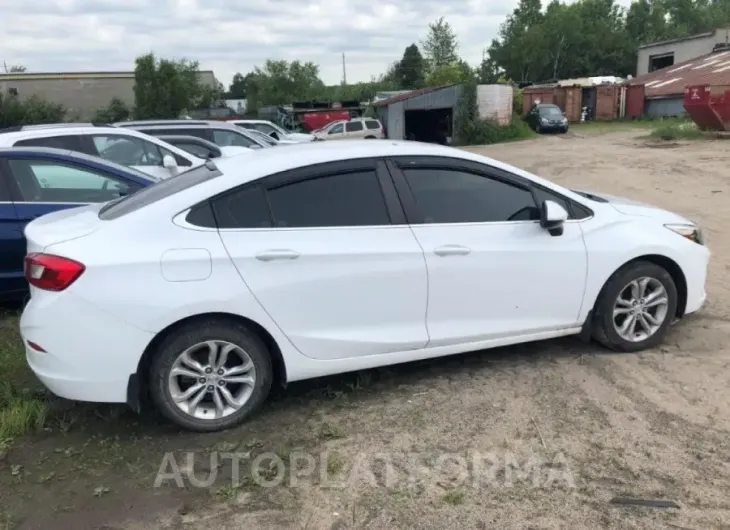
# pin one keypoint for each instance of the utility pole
(344, 70)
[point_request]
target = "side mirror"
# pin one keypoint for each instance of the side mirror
(552, 217)
(214, 154)
(168, 162)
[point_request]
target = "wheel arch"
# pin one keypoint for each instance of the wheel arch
(668, 264)
(137, 388)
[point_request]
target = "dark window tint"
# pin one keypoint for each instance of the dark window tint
(70, 142)
(372, 124)
(158, 191)
(53, 181)
(194, 149)
(350, 199)
(243, 208)
(448, 196)
(4, 185)
(353, 126)
(202, 215)
(550, 112)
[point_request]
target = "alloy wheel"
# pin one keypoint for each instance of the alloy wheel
(640, 309)
(212, 379)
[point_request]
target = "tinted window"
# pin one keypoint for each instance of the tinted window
(128, 150)
(550, 112)
(449, 196)
(69, 142)
(336, 129)
(194, 149)
(351, 199)
(202, 215)
(264, 128)
(160, 190)
(370, 124)
(353, 126)
(231, 138)
(244, 208)
(52, 181)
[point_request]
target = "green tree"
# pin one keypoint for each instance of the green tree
(33, 110)
(440, 46)
(449, 74)
(282, 82)
(115, 111)
(166, 88)
(410, 71)
(237, 88)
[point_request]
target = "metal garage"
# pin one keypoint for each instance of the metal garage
(425, 115)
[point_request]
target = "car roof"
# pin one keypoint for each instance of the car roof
(135, 123)
(75, 156)
(178, 125)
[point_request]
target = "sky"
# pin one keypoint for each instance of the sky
(229, 36)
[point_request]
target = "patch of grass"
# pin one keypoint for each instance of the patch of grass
(454, 497)
(488, 132)
(604, 127)
(22, 408)
(668, 130)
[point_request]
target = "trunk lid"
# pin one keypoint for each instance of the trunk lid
(61, 226)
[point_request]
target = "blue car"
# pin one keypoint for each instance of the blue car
(35, 181)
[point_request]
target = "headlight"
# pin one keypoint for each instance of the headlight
(691, 232)
(544, 120)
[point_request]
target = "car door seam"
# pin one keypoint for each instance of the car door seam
(428, 286)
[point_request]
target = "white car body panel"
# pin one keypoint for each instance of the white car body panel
(357, 298)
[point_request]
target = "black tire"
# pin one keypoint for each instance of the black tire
(370, 137)
(201, 331)
(603, 323)
(538, 129)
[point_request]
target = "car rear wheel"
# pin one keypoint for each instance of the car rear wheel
(635, 307)
(370, 137)
(210, 375)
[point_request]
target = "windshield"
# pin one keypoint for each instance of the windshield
(551, 112)
(263, 137)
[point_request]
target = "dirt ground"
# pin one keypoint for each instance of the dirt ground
(540, 436)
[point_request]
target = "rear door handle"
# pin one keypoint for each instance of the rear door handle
(270, 255)
(452, 250)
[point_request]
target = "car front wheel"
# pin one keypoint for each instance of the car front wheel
(210, 375)
(635, 307)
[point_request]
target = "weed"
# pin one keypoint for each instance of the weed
(334, 464)
(669, 130)
(454, 497)
(331, 432)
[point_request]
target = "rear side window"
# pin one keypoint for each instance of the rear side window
(160, 190)
(370, 124)
(243, 208)
(350, 199)
(353, 126)
(70, 142)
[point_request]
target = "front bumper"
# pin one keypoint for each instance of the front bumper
(88, 354)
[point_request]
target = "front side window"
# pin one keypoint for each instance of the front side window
(225, 138)
(52, 181)
(128, 150)
(336, 129)
(353, 126)
(455, 196)
(349, 199)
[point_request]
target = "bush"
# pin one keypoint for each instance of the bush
(676, 130)
(115, 111)
(488, 132)
(34, 110)
(517, 100)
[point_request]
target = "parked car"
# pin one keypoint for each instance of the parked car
(123, 146)
(202, 148)
(220, 133)
(343, 256)
(273, 130)
(35, 181)
(354, 129)
(270, 139)
(546, 118)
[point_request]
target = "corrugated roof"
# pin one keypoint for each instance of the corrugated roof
(408, 95)
(711, 69)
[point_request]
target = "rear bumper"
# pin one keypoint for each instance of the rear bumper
(88, 354)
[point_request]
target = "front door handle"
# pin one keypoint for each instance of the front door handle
(270, 255)
(452, 250)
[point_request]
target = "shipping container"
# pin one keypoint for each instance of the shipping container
(495, 103)
(634, 101)
(569, 100)
(531, 95)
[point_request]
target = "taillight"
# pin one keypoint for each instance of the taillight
(51, 273)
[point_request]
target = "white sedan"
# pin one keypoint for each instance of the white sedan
(205, 289)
